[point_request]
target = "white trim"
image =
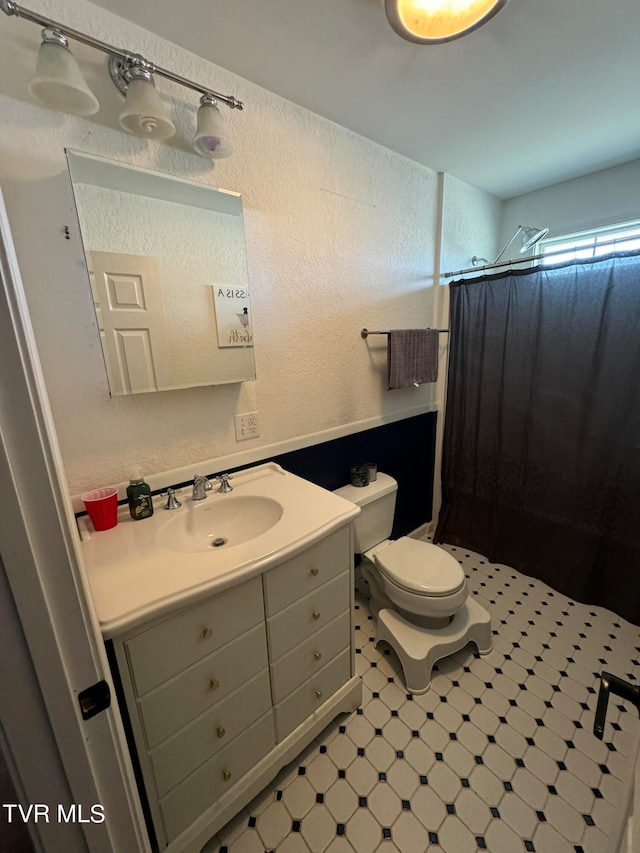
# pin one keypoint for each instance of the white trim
(40, 558)
(442, 321)
(265, 451)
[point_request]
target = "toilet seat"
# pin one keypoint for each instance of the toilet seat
(420, 568)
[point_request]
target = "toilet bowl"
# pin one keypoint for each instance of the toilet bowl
(418, 592)
(424, 583)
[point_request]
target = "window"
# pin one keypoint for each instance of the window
(591, 244)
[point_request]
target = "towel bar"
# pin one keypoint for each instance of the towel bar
(364, 333)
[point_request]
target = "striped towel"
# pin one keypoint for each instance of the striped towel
(412, 357)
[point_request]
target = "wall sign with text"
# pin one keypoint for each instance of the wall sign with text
(232, 316)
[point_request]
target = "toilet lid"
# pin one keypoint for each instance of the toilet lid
(420, 567)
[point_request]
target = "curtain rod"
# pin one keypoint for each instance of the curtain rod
(364, 333)
(538, 257)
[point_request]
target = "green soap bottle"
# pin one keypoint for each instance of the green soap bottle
(139, 495)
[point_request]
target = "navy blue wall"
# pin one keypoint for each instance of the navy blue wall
(404, 449)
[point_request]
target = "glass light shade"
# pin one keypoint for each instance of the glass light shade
(435, 21)
(144, 113)
(211, 139)
(59, 83)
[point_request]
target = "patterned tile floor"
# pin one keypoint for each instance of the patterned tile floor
(498, 755)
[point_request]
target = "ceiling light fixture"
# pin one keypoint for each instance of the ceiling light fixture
(438, 21)
(59, 83)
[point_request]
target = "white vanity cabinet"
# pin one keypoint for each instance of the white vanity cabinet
(223, 694)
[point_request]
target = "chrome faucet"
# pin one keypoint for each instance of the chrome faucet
(172, 500)
(200, 487)
(225, 487)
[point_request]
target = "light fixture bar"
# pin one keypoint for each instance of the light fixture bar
(127, 58)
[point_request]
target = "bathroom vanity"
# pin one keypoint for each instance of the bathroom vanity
(239, 654)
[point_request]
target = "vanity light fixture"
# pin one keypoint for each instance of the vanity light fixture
(211, 138)
(437, 21)
(58, 81)
(59, 84)
(144, 113)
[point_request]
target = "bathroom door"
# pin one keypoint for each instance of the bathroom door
(128, 302)
(52, 649)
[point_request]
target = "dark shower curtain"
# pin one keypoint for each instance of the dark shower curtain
(541, 459)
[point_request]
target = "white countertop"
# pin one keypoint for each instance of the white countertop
(134, 576)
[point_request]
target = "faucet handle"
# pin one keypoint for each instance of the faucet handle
(172, 500)
(223, 479)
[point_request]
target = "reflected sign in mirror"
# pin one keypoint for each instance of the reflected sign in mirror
(168, 271)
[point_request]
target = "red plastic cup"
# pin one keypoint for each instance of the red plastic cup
(102, 507)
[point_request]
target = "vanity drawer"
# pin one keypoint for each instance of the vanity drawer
(289, 671)
(313, 693)
(177, 702)
(174, 759)
(302, 574)
(210, 781)
(167, 648)
(295, 623)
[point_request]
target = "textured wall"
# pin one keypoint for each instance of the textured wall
(341, 234)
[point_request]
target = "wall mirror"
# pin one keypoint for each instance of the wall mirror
(168, 271)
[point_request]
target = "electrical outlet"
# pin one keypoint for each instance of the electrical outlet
(247, 426)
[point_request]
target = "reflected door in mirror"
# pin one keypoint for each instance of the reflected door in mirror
(128, 300)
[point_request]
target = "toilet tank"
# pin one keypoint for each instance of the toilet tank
(377, 502)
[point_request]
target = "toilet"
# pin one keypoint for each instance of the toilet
(419, 594)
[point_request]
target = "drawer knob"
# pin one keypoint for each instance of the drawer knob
(214, 684)
(318, 694)
(315, 615)
(220, 731)
(317, 655)
(226, 775)
(206, 633)
(315, 572)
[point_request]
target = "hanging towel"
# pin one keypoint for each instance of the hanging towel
(412, 357)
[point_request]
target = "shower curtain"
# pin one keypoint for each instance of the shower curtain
(541, 458)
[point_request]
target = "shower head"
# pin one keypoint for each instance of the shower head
(530, 236)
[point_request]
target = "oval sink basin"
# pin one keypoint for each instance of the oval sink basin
(220, 523)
